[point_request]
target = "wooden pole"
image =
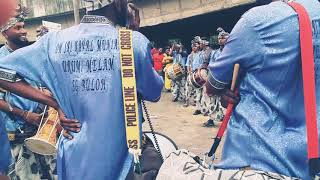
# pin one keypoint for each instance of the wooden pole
(76, 11)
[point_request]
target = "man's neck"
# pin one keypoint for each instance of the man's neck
(12, 46)
(109, 13)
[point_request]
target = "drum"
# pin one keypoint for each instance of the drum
(44, 142)
(175, 71)
(166, 144)
(199, 78)
(184, 165)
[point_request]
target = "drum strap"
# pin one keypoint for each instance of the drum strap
(309, 87)
(129, 92)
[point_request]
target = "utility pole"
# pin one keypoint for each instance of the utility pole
(76, 11)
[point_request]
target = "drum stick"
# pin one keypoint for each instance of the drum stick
(227, 116)
(235, 76)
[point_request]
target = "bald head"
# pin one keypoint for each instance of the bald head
(7, 10)
(114, 10)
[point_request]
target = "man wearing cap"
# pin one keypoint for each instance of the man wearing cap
(267, 130)
(86, 82)
(205, 55)
(19, 113)
(189, 90)
(215, 109)
(196, 64)
(178, 85)
(167, 62)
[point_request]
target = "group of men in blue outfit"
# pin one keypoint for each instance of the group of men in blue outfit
(201, 56)
(267, 131)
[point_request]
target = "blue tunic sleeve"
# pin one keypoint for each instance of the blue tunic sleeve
(5, 154)
(243, 35)
(30, 62)
(188, 60)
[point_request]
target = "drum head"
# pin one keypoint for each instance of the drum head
(40, 146)
(166, 144)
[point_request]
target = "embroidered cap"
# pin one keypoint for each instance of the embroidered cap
(92, 5)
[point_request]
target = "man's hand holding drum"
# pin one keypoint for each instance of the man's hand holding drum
(24, 89)
(69, 125)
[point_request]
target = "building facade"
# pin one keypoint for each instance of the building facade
(156, 15)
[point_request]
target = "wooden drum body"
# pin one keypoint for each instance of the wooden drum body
(199, 78)
(44, 142)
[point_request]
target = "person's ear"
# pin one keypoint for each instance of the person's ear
(4, 34)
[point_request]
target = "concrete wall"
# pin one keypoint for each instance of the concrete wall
(41, 8)
(155, 12)
(152, 12)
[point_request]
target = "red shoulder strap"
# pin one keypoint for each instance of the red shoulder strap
(309, 87)
(308, 73)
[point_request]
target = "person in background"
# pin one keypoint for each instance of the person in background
(189, 90)
(157, 61)
(167, 62)
(215, 109)
(196, 64)
(178, 84)
(154, 50)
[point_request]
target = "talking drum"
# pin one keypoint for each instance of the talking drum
(199, 78)
(44, 142)
(175, 71)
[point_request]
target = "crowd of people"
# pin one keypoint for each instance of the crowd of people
(177, 68)
(267, 133)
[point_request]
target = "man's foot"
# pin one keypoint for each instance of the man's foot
(209, 123)
(197, 112)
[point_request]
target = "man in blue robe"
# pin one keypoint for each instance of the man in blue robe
(267, 130)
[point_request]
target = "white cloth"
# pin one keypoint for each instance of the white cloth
(180, 165)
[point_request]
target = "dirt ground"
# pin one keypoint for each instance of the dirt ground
(178, 123)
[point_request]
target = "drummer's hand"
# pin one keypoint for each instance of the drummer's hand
(211, 91)
(69, 125)
(47, 92)
(33, 118)
(229, 97)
